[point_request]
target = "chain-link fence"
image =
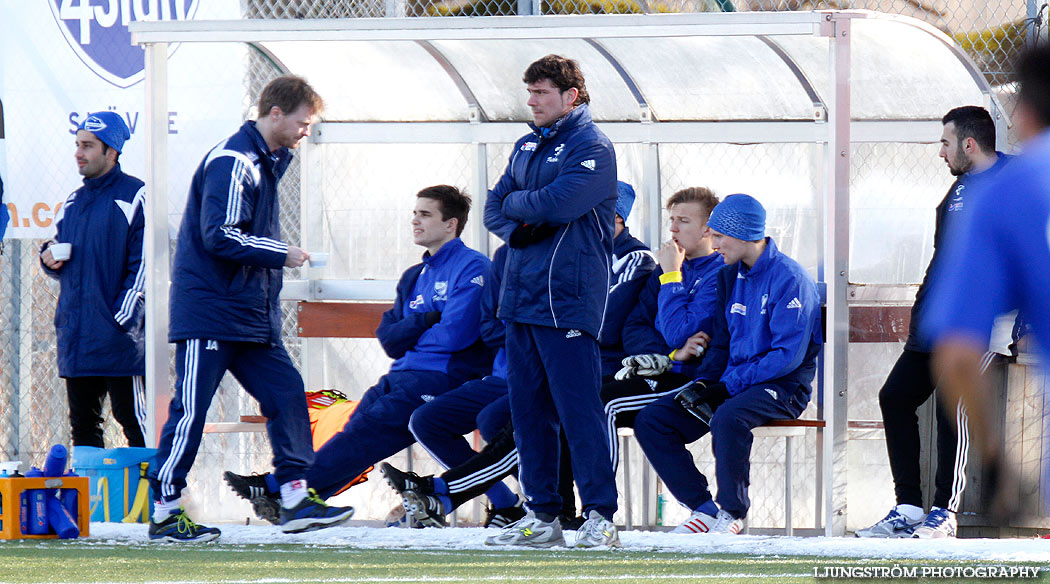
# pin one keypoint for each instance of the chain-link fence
(34, 411)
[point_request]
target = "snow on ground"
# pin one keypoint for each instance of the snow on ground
(998, 550)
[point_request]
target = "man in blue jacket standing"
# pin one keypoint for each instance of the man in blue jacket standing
(226, 314)
(554, 206)
(765, 336)
(433, 334)
(101, 348)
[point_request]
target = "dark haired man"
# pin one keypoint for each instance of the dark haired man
(432, 333)
(998, 260)
(226, 314)
(968, 148)
(555, 207)
(101, 349)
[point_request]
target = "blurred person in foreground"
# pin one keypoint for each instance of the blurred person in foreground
(999, 261)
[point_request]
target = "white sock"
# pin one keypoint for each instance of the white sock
(292, 493)
(164, 509)
(910, 511)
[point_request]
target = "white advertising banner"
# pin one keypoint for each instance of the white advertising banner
(63, 59)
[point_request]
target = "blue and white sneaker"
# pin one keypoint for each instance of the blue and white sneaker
(939, 524)
(312, 514)
(894, 524)
(179, 528)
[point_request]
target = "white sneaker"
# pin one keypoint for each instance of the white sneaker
(894, 524)
(939, 524)
(726, 523)
(530, 531)
(698, 522)
(597, 531)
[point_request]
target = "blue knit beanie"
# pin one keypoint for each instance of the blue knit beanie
(740, 216)
(624, 199)
(108, 127)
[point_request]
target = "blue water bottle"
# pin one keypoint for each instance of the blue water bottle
(59, 519)
(70, 498)
(34, 506)
(55, 464)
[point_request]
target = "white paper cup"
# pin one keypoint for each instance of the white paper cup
(318, 259)
(61, 251)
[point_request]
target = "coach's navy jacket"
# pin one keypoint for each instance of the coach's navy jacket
(228, 260)
(562, 176)
(632, 262)
(100, 307)
(767, 326)
(450, 282)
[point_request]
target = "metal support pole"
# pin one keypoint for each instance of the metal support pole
(480, 194)
(155, 244)
(835, 271)
(652, 234)
(787, 486)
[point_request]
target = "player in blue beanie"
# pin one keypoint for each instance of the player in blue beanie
(759, 366)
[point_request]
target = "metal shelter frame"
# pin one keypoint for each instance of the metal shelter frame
(830, 127)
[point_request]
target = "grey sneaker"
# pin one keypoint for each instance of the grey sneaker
(726, 523)
(597, 531)
(530, 531)
(894, 524)
(939, 524)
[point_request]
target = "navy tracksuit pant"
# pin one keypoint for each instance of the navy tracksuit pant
(439, 425)
(266, 373)
(377, 429)
(554, 377)
(663, 429)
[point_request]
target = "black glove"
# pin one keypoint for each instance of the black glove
(702, 400)
(527, 235)
(432, 317)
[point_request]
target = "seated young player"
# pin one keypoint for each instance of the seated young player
(432, 332)
(429, 498)
(765, 336)
(664, 333)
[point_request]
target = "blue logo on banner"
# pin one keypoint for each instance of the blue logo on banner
(97, 30)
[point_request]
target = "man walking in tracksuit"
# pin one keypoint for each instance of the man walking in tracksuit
(101, 348)
(759, 366)
(226, 314)
(554, 206)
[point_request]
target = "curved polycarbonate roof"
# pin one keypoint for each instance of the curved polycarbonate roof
(676, 78)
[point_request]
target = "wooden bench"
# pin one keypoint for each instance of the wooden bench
(787, 429)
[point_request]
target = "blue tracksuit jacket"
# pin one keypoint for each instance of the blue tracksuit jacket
(676, 305)
(561, 176)
(451, 282)
(632, 262)
(685, 307)
(768, 325)
(100, 308)
(227, 277)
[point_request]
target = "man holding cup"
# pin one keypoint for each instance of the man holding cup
(96, 255)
